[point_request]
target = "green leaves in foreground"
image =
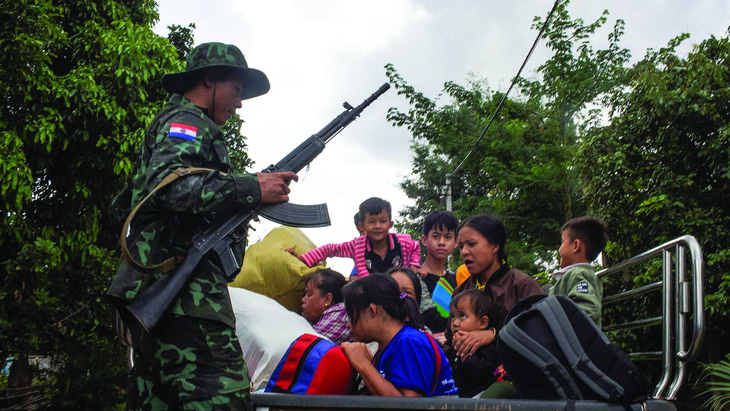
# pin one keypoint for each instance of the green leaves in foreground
(718, 386)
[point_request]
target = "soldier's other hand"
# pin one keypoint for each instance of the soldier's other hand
(275, 186)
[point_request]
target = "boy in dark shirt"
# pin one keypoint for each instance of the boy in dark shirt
(439, 238)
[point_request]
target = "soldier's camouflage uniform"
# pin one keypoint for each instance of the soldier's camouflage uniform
(193, 359)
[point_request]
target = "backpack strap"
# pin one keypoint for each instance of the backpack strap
(519, 341)
(574, 352)
(170, 263)
(438, 363)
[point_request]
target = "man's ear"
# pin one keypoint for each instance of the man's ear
(208, 78)
(423, 240)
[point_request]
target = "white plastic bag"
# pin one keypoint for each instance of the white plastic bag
(265, 330)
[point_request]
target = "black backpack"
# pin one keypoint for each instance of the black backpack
(552, 350)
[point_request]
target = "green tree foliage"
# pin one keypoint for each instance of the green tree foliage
(80, 81)
(659, 170)
(524, 170)
(511, 172)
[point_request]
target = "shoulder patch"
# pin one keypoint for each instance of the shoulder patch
(582, 287)
(183, 131)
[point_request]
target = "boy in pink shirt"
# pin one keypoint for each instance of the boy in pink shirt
(377, 250)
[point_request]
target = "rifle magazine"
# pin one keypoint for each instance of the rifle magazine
(296, 215)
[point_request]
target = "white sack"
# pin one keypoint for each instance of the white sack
(265, 329)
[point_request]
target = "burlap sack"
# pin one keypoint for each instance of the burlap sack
(271, 271)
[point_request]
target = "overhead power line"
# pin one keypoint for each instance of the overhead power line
(504, 97)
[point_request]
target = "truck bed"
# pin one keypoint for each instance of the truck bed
(272, 401)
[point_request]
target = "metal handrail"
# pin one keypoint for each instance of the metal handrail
(677, 293)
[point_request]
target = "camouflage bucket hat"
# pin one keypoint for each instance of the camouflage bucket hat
(209, 55)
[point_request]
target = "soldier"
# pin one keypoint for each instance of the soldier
(192, 359)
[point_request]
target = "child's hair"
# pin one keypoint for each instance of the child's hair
(382, 290)
(592, 231)
(414, 279)
(481, 303)
(374, 206)
(327, 281)
(490, 228)
(357, 220)
(440, 220)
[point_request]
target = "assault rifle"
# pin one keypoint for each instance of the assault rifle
(149, 307)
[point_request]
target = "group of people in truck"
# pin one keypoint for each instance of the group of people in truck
(427, 348)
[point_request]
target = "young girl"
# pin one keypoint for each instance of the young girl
(410, 284)
(470, 311)
(408, 361)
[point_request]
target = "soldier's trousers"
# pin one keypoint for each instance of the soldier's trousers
(188, 364)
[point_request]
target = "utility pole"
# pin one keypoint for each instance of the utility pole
(446, 192)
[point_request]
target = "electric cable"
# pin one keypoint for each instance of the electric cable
(514, 81)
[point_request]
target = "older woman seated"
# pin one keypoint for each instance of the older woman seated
(322, 305)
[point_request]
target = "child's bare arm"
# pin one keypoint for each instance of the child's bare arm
(294, 253)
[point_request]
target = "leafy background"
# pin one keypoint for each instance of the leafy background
(644, 146)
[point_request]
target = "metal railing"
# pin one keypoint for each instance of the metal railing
(682, 308)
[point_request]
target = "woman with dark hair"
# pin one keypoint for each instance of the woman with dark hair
(410, 284)
(322, 305)
(408, 362)
(482, 239)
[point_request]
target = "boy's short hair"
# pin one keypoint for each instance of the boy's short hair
(443, 220)
(374, 206)
(592, 231)
(357, 219)
(481, 302)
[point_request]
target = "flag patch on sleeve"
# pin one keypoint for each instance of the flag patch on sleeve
(184, 131)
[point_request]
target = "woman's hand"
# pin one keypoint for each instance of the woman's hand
(362, 361)
(466, 343)
(358, 354)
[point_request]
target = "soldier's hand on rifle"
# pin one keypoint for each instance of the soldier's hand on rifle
(275, 186)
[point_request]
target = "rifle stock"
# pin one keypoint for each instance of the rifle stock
(149, 306)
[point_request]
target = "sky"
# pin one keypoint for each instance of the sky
(318, 54)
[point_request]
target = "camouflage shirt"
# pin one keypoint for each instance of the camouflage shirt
(181, 135)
